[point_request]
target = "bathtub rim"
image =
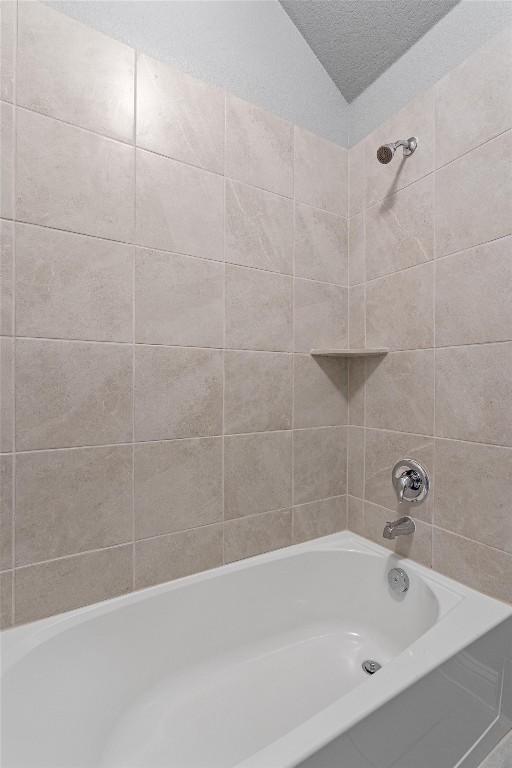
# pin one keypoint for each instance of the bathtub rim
(464, 616)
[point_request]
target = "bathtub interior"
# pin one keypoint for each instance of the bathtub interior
(240, 658)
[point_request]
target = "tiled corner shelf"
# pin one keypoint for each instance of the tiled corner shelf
(349, 352)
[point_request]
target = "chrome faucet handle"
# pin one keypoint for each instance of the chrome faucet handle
(403, 483)
(411, 481)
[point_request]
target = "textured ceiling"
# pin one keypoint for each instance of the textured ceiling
(357, 40)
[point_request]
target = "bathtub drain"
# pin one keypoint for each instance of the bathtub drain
(370, 666)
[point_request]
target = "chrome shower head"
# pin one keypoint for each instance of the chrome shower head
(386, 151)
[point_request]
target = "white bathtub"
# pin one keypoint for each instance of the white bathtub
(258, 664)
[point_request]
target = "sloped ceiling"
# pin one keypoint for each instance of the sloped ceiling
(357, 40)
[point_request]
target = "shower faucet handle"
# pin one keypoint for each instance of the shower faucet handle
(411, 481)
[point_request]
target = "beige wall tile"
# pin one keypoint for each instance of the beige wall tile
(471, 495)
(178, 300)
(417, 547)
(77, 393)
(72, 72)
(355, 461)
(400, 392)
(320, 315)
(356, 391)
(321, 173)
(478, 566)
(355, 515)
(415, 119)
(178, 393)
(320, 463)
(71, 393)
(259, 228)
(258, 310)
(7, 159)
(249, 536)
(357, 178)
(6, 511)
(356, 249)
(72, 501)
(258, 147)
(257, 473)
(473, 393)
(320, 392)
(178, 485)
(179, 116)
(80, 182)
(6, 394)
(474, 101)
(179, 554)
(319, 518)
(383, 450)
(357, 316)
(6, 612)
(400, 309)
(6, 277)
(71, 582)
(7, 49)
(321, 245)
(179, 208)
(479, 278)
(474, 197)
(258, 392)
(400, 230)
(72, 287)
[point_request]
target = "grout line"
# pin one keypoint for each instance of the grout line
(362, 513)
(437, 258)
(239, 350)
(13, 319)
(224, 313)
(75, 126)
(119, 545)
(157, 441)
(177, 252)
(434, 332)
(134, 309)
(167, 251)
(166, 534)
(473, 541)
(434, 277)
(294, 333)
(173, 439)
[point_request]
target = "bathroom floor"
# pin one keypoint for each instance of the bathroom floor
(501, 757)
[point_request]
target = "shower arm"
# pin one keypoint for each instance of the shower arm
(409, 145)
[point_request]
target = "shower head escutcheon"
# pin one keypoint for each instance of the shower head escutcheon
(386, 151)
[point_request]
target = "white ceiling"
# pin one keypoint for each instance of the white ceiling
(357, 40)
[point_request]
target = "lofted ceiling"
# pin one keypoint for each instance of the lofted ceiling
(357, 40)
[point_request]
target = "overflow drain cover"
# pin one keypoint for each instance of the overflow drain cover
(370, 666)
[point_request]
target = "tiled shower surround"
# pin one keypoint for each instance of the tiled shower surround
(431, 279)
(168, 415)
(171, 254)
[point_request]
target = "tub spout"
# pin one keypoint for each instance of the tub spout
(404, 526)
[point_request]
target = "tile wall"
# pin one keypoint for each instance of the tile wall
(169, 256)
(430, 264)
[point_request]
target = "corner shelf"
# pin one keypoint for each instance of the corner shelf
(349, 352)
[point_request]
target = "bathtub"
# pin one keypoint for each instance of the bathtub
(258, 665)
